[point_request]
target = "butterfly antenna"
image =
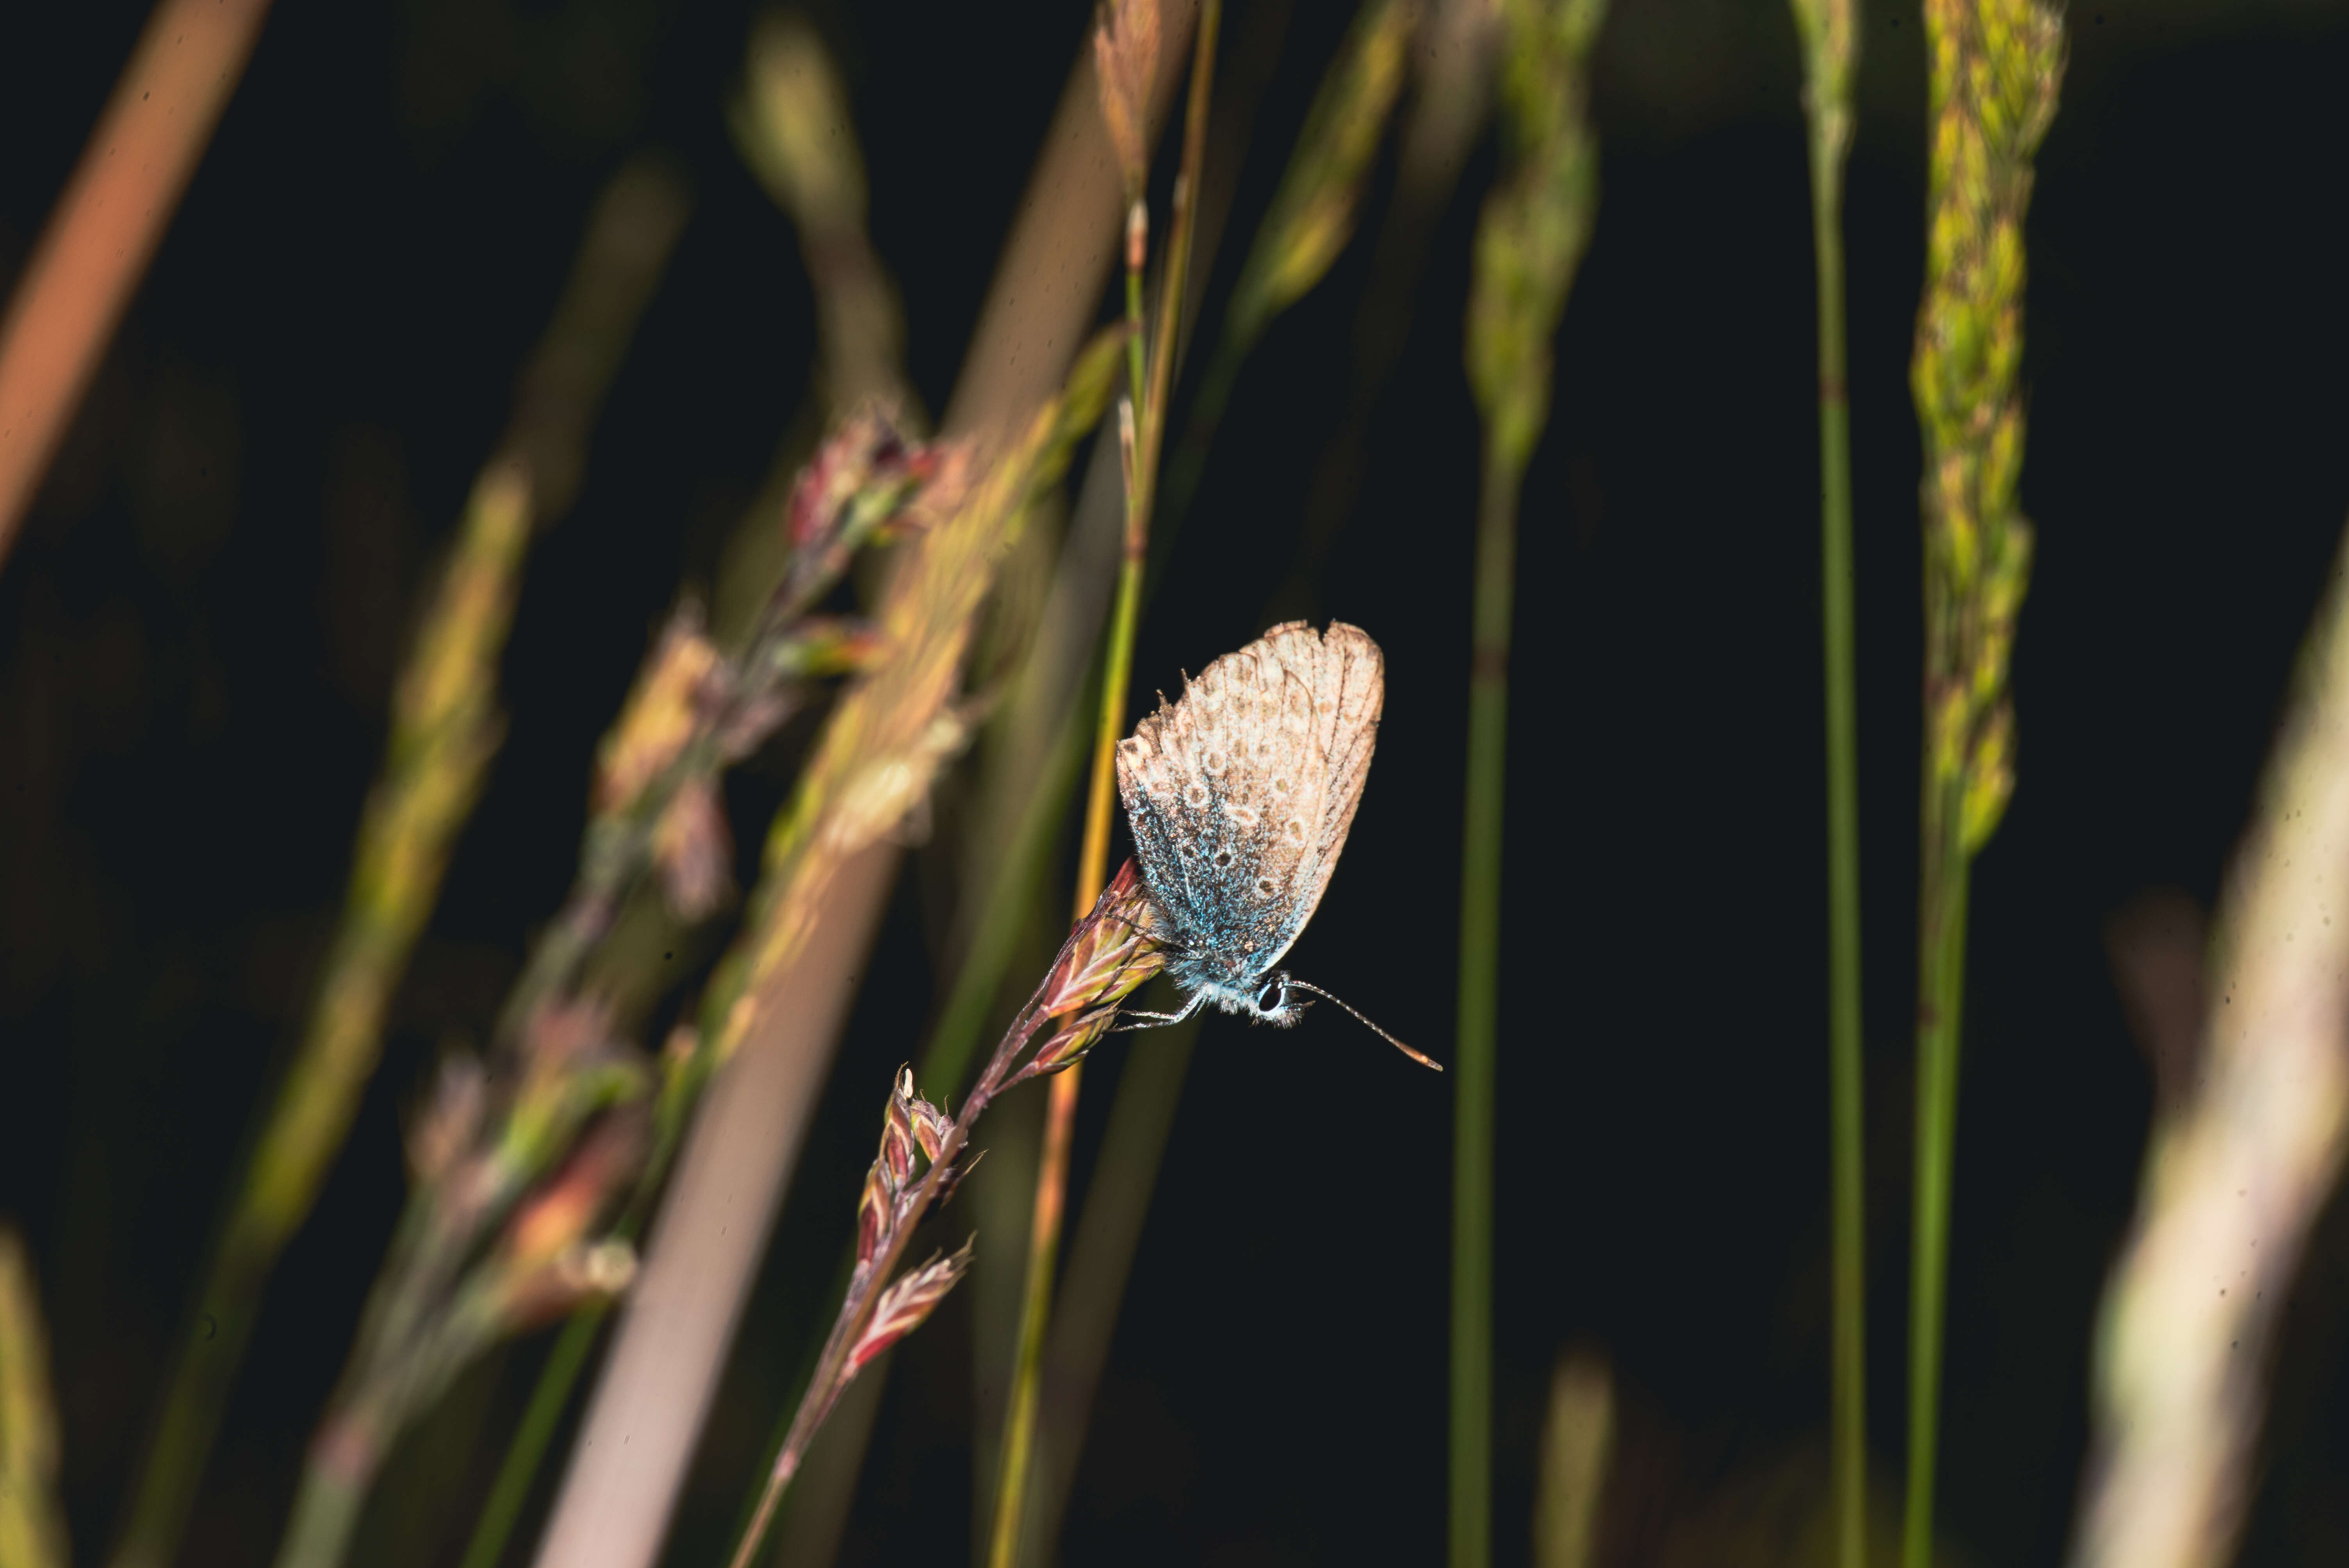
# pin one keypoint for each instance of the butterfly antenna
(1406, 1050)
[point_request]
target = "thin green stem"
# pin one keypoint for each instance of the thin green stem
(1941, 988)
(1847, 1391)
(528, 1449)
(1480, 980)
(1142, 427)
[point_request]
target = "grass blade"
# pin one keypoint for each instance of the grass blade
(1830, 34)
(1530, 240)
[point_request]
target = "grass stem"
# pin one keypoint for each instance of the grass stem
(1143, 428)
(1476, 1046)
(1941, 973)
(1529, 244)
(1830, 29)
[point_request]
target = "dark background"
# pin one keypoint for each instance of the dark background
(199, 627)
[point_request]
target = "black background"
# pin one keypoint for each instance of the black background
(199, 626)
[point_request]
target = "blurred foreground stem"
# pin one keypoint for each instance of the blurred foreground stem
(1141, 431)
(445, 728)
(2239, 1169)
(1995, 67)
(1530, 240)
(1829, 30)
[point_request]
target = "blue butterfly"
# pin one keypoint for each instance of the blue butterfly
(1239, 797)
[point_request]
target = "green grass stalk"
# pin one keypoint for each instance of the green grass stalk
(1471, 1490)
(1530, 240)
(527, 1450)
(1941, 971)
(1141, 431)
(1308, 226)
(1996, 67)
(1829, 31)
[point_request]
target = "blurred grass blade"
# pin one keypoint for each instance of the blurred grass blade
(31, 1525)
(1995, 69)
(1830, 37)
(445, 728)
(2238, 1170)
(1311, 217)
(1451, 62)
(1530, 240)
(792, 126)
(97, 242)
(1577, 1444)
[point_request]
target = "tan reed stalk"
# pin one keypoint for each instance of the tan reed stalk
(1995, 69)
(445, 729)
(1830, 35)
(2239, 1166)
(1126, 42)
(1529, 242)
(106, 226)
(32, 1525)
(1109, 953)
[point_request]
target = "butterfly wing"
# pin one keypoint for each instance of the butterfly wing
(1346, 675)
(1240, 795)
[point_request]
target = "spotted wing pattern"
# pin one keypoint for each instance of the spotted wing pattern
(1241, 793)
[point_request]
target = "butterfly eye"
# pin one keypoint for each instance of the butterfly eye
(1274, 996)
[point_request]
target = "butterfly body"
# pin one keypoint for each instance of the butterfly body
(1240, 796)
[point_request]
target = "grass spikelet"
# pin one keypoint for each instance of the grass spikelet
(1996, 66)
(1111, 952)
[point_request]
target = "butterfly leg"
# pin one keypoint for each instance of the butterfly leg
(1144, 1020)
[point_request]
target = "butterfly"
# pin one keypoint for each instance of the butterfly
(1240, 796)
